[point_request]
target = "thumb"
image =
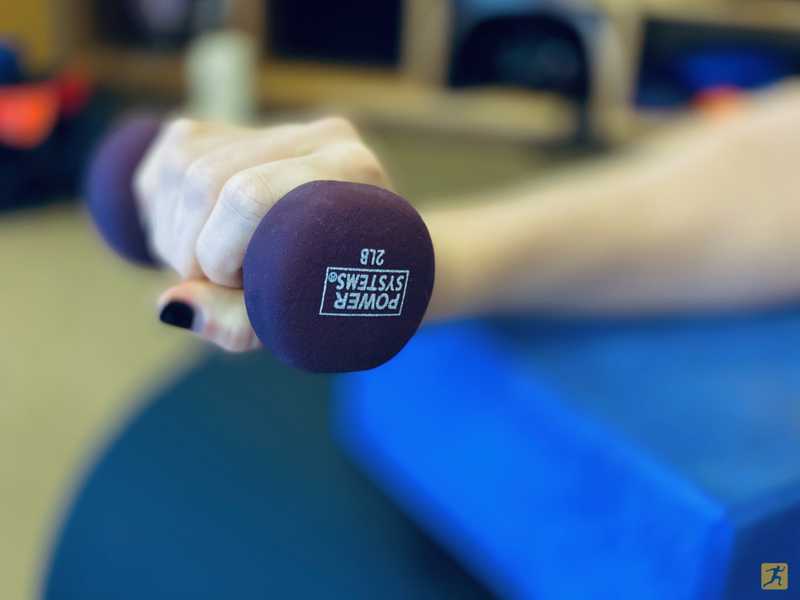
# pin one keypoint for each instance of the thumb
(215, 313)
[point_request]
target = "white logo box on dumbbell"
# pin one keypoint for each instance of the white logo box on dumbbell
(360, 292)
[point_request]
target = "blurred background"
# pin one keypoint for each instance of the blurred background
(456, 96)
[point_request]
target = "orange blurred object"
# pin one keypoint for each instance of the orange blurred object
(720, 101)
(28, 113)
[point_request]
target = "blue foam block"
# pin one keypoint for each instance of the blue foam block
(598, 460)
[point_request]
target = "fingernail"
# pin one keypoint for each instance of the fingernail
(177, 314)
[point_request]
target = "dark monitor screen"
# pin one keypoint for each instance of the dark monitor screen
(355, 31)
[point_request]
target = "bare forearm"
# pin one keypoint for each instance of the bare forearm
(690, 223)
(532, 249)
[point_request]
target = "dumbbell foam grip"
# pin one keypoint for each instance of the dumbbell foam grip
(338, 276)
(109, 187)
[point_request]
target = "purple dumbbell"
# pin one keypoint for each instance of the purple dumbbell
(337, 276)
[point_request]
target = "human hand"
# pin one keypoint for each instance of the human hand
(202, 190)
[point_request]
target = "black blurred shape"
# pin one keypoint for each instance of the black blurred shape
(54, 169)
(150, 24)
(346, 31)
(535, 52)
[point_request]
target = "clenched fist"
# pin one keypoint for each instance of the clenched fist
(202, 190)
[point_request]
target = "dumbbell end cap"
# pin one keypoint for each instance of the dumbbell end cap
(108, 187)
(338, 276)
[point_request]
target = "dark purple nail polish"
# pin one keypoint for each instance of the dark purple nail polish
(177, 314)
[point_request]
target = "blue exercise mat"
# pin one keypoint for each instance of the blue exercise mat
(228, 484)
(631, 460)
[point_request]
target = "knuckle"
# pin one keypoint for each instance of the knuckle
(200, 181)
(285, 130)
(336, 124)
(372, 171)
(358, 163)
(247, 194)
(179, 158)
(181, 127)
(177, 146)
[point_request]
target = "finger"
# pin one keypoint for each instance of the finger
(176, 134)
(206, 177)
(148, 174)
(216, 314)
(247, 196)
(158, 180)
(164, 205)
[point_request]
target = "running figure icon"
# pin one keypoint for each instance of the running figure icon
(776, 578)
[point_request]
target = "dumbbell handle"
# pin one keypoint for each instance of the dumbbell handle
(337, 276)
